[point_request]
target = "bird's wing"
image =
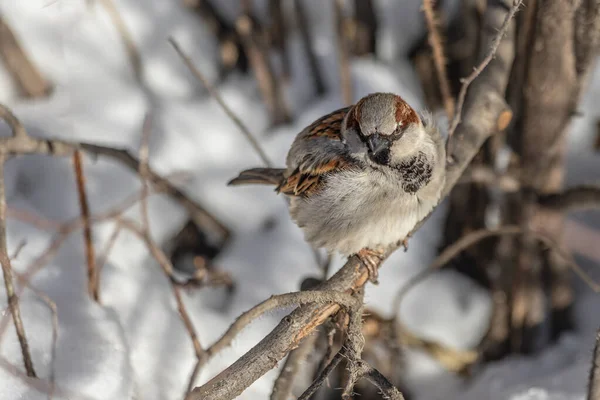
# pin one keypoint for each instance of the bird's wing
(316, 153)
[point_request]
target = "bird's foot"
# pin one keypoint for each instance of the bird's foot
(371, 260)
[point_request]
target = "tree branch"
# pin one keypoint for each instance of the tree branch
(93, 277)
(22, 144)
(594, 380)
(573, 199)
(439, 59)
(11, 297)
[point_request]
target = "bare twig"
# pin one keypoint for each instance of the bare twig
(215, 94)
(317, 383)
(343, 53)
(573, 199)
(302, 22)
(93, 276)
(387, 389)
(475, 237)
(279, 35)
(263, 71)
(502, 122)
(146, 236)
(22, 144)
(439, 59)
(30, 80)
(481, 174)
(132, 52)
(284, 384)
(112, 239)
(483, 111)
(11, 297)
(594, 380)
(54, 311)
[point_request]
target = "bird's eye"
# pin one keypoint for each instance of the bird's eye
(398, 132)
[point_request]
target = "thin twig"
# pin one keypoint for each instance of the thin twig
(343, 53)
(145, 234)
(54, 311)
(215, 94)
(594, 380)
(22, 144)
(475, 237)
(132, 53)
(13, 300)
(110, 243)
(486, 60)
(439, 59)
(573, 199)
(93, 276)
(30, 80)
(284, 384)
(387, 389)
(317, 383)
(302, 23)
(263, 71)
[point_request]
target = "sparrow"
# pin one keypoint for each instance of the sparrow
(360, 178)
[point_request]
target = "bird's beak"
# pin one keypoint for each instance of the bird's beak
(379, 148)
(377, 144)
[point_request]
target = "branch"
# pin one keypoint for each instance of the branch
(342, 53)
(215, 94)
(439, 59)
(263, 71)
(302, 22)
(30, 80)
(484, 109)
(505, 120)
(594, 380)
(93, 276)
(574, 199)
(284, 384)
(272, 303)
(11, 297)
(475, 237)
(22, 144)
(317, 383)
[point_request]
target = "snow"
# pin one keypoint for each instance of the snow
(134, 346)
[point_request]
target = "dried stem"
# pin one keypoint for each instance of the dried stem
(343, 53)
(318, 382)
(215, 94)
(54, 311)
(466, 82)
(30, 80)
(573, 199)
(263, 71)
(132, 53)
(13, 300)
(146, 236)
(475, 237)
(22, 144)
(284, 384)
(313, 63)
(439, 59)
(93, 276)
(594, 380)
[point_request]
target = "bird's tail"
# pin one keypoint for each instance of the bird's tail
(261, 176)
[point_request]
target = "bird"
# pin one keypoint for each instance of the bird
(360, 178)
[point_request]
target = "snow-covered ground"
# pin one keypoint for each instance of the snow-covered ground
(134, 345)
